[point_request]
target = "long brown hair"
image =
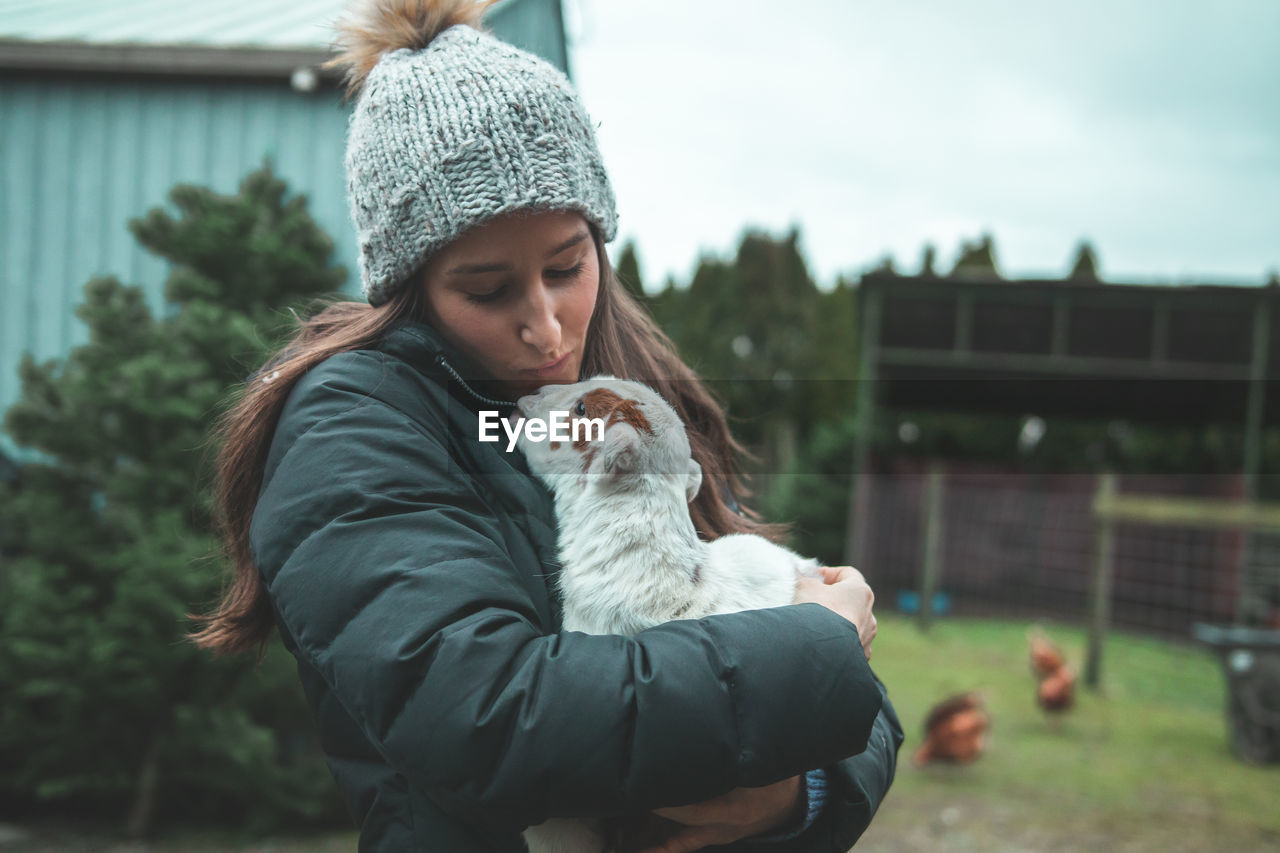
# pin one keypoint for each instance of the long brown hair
(622, 340)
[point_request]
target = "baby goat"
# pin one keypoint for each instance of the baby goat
(630, 556)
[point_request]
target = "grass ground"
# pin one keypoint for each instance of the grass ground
(1141, 766)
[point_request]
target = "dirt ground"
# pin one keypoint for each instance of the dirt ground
(953, 825)
(958, 824)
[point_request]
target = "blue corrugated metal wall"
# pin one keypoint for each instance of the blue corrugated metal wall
(82, 156)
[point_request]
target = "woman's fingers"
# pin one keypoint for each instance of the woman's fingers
(740, 813)
(835, 574)
(849, 595)
(689, 839)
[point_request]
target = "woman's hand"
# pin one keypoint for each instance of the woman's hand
(741, 813)
(844, 590)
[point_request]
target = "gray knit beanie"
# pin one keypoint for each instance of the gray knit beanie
(453, 127)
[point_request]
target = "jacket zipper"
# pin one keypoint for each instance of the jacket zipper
(440, 360)
(553, 599)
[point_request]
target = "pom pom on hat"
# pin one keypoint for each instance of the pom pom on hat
(372, 28)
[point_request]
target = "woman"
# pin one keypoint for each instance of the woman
(410, 567)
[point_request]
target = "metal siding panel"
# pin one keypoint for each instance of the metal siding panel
(131, 178)
(311, 144)
(108, 144)
(156, 177)
(78, 210)
(262, 141)
(535, 26)
(332, 206)
(226, 113)
(84, 207)
(17, 230)
(121, 179)
(49, 274)
(190, 141)
(326, 181)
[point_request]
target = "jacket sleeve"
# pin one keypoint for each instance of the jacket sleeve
(853, 791)
(856, 786)
(386, 568)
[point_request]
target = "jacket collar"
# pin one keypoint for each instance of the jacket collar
(424, 347)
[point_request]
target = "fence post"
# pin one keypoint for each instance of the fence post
(931, 569)
(1100, 582)
(857, 528)
(1246, 606)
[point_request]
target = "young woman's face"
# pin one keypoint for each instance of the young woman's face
(516, 295)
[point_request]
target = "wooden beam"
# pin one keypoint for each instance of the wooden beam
(167, 60)
(1071, 365)
(1186, 512)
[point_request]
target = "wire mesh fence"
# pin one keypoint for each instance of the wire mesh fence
(1018, 544)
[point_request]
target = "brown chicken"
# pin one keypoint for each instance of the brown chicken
(1057, 678)
(955, 730)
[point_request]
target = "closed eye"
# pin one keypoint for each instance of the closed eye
(490, 296)
(571, 272)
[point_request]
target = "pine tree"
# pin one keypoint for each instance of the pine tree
(1085, 266)
(977, 260)
(628, 272)
(928, 258)
(746, 326)
(108, 539)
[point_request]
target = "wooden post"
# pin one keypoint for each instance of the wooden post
(964, 323)
(1252, 449)
(856, 527)
(1100, 583)
(931, 569)
(1061, 325)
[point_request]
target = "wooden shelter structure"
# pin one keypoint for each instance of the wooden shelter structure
(1186, 355)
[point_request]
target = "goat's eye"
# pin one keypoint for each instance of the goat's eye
(580, 409)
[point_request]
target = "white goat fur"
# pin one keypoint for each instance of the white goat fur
(630, 556)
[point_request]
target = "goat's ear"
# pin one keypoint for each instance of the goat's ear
(694, 481)
(621, 451)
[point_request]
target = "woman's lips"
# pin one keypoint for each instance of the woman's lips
(550, 369)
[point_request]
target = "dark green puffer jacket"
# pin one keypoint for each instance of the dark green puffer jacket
(412, 571)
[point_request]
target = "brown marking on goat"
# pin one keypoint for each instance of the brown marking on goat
(628, 412)
(555, 445)
(612, 409)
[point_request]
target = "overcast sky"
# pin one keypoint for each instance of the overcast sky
(1151, 127)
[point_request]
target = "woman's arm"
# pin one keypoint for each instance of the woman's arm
(854, 789)
(388, 571)
(857, 786)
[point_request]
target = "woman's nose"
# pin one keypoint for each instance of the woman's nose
(539, 327)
